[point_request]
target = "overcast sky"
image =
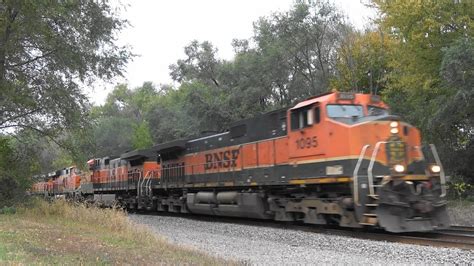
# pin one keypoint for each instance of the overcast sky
(161, 29)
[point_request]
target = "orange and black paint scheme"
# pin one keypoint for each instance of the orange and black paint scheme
(337, 158)
(61, 182)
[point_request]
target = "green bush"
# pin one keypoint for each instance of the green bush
(459, 188)
(8, 210)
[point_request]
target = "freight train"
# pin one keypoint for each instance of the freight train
(337, 158)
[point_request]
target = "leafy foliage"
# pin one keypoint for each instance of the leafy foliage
(121, 123)
(430, 72)
(48, 50)
(16, 166)
(422, 30)
(141, 137)
(452, 126)
(363, 62)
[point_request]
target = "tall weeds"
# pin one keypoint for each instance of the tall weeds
(113, 219)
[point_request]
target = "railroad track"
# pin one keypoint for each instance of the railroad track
(459, 229)
(455, 237)
(461, 237)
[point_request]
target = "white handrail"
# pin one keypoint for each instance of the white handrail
(356, 172)
(442, 177)
(148, 183)
(138, 183)
(141, 184)
(370, 176)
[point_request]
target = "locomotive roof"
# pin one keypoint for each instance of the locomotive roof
(138, 154)
(342, 96)
(315, 99)
(175, 145)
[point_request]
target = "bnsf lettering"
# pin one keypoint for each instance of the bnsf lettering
(224, 159)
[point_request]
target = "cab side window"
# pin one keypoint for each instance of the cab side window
(317, 115)
(304, 117)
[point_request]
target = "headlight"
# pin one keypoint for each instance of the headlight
(399, 168)
(394, 130)
(394, 124)
(435, 168)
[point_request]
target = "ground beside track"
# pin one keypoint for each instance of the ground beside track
(461, 212)
(256, 244)
(67, 234)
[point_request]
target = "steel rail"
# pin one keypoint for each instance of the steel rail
(459, 228)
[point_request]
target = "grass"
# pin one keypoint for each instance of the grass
(461, 212)
(63, 233)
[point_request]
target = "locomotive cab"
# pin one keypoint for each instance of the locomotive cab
(141, 172)
(305, 131)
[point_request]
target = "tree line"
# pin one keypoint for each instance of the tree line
(419, 56)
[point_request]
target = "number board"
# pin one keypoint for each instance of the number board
(306, 142)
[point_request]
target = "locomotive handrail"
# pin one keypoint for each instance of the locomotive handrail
(442, 177)
(144, 182)
(148, 183)
(138, 183)
(356, 172)
(141, 184)
(370, 176)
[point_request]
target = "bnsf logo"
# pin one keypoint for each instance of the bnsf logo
(221, 159)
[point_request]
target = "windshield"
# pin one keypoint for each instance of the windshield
(345, 111)
(376, 111)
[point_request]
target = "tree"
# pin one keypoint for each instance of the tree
(363, 62)
(19, 159)
(421, 30)
(291, 56)
(113, 136)
(141, 138)
(187, 111)
(452, 126)
(298, 48)
(8, 158)
(430, 78)
(122, 123)
(48, 50)
(200, 64)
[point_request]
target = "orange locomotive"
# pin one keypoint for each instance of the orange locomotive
(337, 158)
(62, 182)
(121, 179)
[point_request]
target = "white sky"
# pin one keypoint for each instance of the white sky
(160, 30)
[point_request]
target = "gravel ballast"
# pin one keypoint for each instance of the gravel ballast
(269, 245)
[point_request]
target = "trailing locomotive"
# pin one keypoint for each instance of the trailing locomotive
(337, 158)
